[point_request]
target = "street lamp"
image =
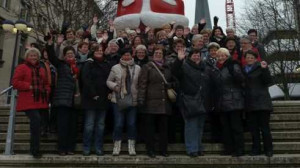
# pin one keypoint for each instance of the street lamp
(18, 27)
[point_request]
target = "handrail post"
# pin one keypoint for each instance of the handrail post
(9, 145)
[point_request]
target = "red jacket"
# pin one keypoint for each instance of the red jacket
(22, 81)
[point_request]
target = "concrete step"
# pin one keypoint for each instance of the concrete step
(143, 161)
(176, 161)
(287, 136)
(286, 110)
(279, 148)
(286, 103)
(275, 126)
(274, 118)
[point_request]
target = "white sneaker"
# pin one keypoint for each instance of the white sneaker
(131, 147)
(117, 148)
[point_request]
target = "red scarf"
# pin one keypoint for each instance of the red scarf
(220, 65)
(99, 59)
(74, 68)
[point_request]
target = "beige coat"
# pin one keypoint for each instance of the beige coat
(114, 80)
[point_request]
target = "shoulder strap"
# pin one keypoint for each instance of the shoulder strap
(159, 73)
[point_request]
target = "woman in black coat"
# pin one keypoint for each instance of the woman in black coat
(230, 103)
(94, 100)
(63, 97)
(258, 103)
(194, 77)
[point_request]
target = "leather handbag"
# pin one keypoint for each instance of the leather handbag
(171, 92)
(192, 104)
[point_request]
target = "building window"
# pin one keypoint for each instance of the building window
(5, 3)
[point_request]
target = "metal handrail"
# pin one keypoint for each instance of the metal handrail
(6, 90)
(9, 145)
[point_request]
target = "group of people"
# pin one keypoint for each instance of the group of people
(146, 78)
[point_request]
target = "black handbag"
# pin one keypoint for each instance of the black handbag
(192, 105)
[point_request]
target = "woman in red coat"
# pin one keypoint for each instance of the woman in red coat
(33, 89)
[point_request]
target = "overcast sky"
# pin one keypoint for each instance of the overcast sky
(216, 7)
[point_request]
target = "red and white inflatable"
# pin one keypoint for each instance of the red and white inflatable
(153, 13)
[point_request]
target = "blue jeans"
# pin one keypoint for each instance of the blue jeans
(193, 131)
(119, 117)
(94, 119)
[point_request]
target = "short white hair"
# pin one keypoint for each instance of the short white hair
(141, 47)
(223, 51)
(32, 50)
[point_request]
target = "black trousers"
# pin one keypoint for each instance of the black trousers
(258, 122)
(176, 125)
(215, 125)
(232, 132)
(44, 120)
(35, 129)
(66, 128)
(150, 122)
(53, 119)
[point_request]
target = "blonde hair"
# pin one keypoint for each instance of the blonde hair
(32, 50)
(223, 51)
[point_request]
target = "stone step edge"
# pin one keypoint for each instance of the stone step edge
(50, 159)
(179, 147)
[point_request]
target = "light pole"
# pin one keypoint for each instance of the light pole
(14, 27)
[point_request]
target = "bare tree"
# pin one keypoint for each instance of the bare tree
(53, 14)
(109, 9)
(276, 23)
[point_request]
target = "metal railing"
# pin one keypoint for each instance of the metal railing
(9, 145)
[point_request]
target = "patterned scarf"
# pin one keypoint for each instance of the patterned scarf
(126, 78)
(74, 68)
(38, 87)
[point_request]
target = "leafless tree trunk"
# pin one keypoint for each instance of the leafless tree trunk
(276, 23)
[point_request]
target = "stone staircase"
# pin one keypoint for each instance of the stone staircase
(285, 125)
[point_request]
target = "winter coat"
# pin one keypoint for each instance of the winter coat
(193, 77)
(170, 59)
(231, 96)
(22, 80)
(211, 99)
(115, 77)
(257, 95)
(153, 90)
(113, 59)
(142, 62)
(93, 77)
(66, 84)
